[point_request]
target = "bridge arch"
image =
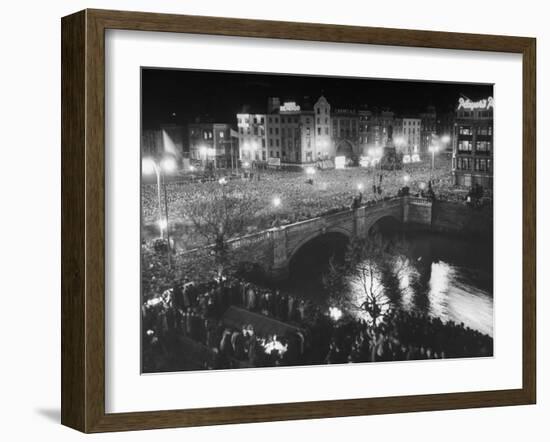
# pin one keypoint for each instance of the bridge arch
(315, 250)
(384, 223)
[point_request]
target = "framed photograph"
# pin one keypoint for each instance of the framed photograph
(267, 220)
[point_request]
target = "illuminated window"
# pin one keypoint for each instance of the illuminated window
(465, 146)
(483, 146)
(465, 130)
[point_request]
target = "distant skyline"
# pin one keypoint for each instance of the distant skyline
(171, 96)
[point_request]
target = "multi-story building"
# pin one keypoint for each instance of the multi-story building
(273, 136)
(345, 132)
(473, 143)
(252, 137)
(212, 143)
(381, 128)
(323, 147)
(428, 129)
(408, 142)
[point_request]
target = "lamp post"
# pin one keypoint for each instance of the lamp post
(310, 171)
(276, 205)
(433, 149)
(167, 164)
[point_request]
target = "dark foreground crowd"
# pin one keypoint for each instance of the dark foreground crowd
(184, 329)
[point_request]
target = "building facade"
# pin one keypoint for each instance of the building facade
(472, 139)
(428, 129)
(212, 144)
(252, 137)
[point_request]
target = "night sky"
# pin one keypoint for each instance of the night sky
(218, 96)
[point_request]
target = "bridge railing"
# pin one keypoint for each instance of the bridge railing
(256, 237)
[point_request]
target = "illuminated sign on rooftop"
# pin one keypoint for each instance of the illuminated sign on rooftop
(468, 104)
(290, 106)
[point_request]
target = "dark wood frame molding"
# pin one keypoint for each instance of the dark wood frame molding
(83, 217)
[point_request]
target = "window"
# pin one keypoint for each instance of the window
(485, 130)
(326, 120)
(318, 121)
(263, 142)
(282, 119)
(263, 155)
(308, 132)
(242, 130)
(277, 154)
(271, 142)
(270, 131)
(277, 143)
(464, 163)
(482, 165)
(222, 134)
(270, 119)
(326, 130)
(271, 154)
(483, 147)
(276, 131)
(465, 146)
(262, 120)
(255, 130)
(318, 110)
(465, 130)
(318, 131)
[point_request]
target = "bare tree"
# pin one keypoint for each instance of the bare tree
(368, 278)
(219, 218)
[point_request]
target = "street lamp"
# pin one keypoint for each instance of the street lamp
(433, 149)
(165, 165)
(276, 205)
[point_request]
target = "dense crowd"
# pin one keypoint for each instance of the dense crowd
(188, 311)
(301, 197)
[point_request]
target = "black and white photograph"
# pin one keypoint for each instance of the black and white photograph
(292, 220)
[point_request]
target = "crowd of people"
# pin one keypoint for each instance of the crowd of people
(197, 313)
(300, 196)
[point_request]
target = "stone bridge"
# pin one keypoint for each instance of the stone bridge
(274, 249)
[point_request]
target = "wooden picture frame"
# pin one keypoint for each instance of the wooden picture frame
(83, 220)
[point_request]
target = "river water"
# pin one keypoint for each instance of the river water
(443, 276)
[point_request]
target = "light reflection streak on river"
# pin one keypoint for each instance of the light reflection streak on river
(450, 295)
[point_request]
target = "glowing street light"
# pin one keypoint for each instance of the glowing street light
(433, 149)
(168, 164)
(406, 179)
(165, 165)
(446, 139)
(310, 171)
(276, 202)
(360, 187)
(335, 313)
(222, 181)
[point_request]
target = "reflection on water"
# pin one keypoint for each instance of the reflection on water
(446, 277)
